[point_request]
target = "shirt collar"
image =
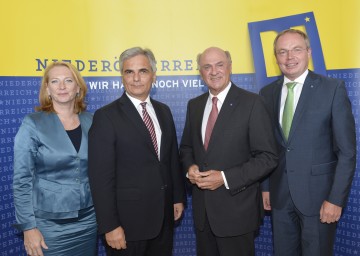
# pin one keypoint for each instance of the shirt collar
(222, 95)
(299, 80)
(137, 102)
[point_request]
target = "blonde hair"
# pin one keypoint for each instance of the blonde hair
(46, 103)
(292, 31)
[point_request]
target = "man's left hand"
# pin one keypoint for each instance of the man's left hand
(329, 213)
(211, 180)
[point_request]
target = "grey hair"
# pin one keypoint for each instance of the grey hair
(227, 53)
(132, 52)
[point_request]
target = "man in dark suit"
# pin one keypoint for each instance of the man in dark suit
(315, 132)
(135, 179)
(226, 166)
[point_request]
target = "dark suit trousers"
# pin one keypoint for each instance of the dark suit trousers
(161, 245)
(299, 235)
(158, 246)
(210, 245)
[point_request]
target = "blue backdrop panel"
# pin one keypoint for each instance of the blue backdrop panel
(19, 95)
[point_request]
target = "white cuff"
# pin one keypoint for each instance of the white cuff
(225, 181)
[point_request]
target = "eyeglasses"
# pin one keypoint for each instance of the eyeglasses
(295, 51)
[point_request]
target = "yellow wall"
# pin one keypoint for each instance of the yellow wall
(174, 30)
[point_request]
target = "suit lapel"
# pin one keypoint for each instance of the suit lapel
(225, 114)
(128, 108)
(62, 138)
(277, 105)
(198, 117)
(305, 97)
(85, 126)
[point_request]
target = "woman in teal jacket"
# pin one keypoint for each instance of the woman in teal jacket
(53, 203)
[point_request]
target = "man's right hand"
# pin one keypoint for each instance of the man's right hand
(266, 200)
(116, 238)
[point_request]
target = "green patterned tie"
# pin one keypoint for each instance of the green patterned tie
(288, 109)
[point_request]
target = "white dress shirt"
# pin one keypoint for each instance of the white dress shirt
(221, 98)
(297, 92)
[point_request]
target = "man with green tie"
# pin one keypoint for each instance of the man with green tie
(315, 131)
